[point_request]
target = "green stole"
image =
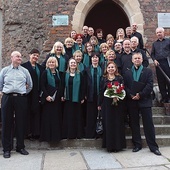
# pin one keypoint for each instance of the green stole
(62, 65)
(96, 48)
(38, 74)
(76, 87)
(86, 60)
(62, 62)
(99, 74)
(136, 72)
(102, 59)
(81, 67)
(76, 47)
(50, 77)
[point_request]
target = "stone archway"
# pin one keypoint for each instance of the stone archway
(131, 8)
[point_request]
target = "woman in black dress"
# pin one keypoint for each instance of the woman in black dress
(113, 117)
(73, 95)
(93, 77)
(34, 109)
(51, 112)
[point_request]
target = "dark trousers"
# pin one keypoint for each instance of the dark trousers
(164, 86)
(148, 126)
(13, 109)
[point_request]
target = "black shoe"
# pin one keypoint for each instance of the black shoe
(157, 152)
(22, 151)
(7, 154)
(164, 101)
(136, 149)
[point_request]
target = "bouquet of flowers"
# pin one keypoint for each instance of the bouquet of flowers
(115, 91)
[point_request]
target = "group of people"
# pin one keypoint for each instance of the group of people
(60, 98)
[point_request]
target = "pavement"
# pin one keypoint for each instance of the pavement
(86, 159)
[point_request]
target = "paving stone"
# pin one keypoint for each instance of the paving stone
(140, 159)
(21, 162)
(165, 152)
(100, 159)
(64, 160)
(147, 168)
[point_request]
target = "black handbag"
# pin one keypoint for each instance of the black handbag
(99, 124)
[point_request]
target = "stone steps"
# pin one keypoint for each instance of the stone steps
(162, 129)
(161, 119)
(159, 130)
(162, 140)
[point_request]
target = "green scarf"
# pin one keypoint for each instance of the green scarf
(76, 87)
(136, 72)
(38, 74)
(86, 60)
(76, 47)
(50, 77)
(102, 59)
(62, 62)
(99, 74)
(96, 48)
(81, 67)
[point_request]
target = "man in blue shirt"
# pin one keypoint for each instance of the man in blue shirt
(15, 84)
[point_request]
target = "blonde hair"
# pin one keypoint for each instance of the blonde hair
(77, 52)
(58, 43)
(68, 67)
(109, 36)
(52, 59)
(69, 39)
(102, 45)
(108, 52)
(120, 29)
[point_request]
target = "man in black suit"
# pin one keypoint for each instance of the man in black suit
(139, 84)
(161, 56)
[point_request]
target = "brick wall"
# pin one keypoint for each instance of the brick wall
(27, 23)
(149, 10)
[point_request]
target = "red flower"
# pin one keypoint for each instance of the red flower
(116, 83)
(109, 85)
(122, 87)
(118, 91)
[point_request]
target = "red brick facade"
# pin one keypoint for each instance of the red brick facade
(28, 24)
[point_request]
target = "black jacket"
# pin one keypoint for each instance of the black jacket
(146, 78)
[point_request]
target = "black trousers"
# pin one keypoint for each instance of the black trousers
(13, 109)
(162, 82)
(148, 126)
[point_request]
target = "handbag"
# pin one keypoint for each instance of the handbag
(99, 124)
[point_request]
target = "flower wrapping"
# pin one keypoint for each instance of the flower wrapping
(115, 91)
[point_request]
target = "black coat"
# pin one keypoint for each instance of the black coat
(89, 89)
(34, 109)
(146, 78)
(36, 90)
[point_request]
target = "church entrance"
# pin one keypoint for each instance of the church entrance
(108, 16)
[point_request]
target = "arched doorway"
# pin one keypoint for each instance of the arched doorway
(107, 15)
(131, 8)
